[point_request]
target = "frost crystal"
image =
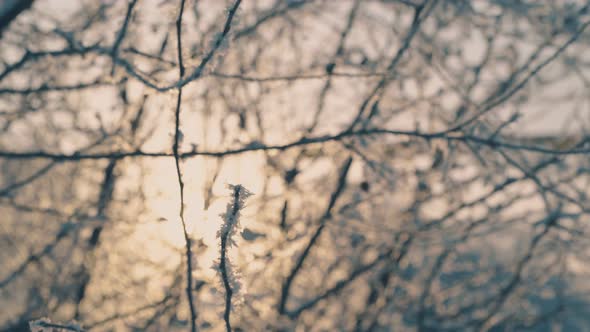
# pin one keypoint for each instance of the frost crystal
(229, 228)
(231, 216)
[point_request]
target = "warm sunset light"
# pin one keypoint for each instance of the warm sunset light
(294, 165)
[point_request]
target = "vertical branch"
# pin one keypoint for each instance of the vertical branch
(225, 278)
(177, 138)
(228, 229)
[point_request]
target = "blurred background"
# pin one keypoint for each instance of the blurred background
(416, 165)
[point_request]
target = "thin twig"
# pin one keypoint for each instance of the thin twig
(121, 34)
(285, 292)
(177, 133)
(257, 146)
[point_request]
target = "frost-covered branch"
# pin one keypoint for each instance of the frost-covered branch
(229, 228)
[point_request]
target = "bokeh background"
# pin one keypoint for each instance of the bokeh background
(416, 165)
